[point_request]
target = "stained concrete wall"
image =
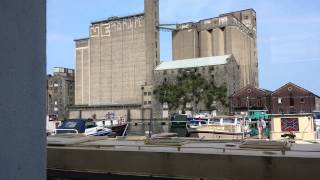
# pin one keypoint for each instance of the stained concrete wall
(218, 42)
(185, 44)
(205, 43)
(182, 165)
(82, 71)
(23, 90)
(231, 33)
(119, 58)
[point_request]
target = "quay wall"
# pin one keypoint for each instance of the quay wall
(181, 164)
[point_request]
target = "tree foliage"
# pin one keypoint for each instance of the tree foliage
(191, 87)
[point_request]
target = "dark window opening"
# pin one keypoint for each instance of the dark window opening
(291, 99)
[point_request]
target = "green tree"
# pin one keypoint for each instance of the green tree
(190, 87)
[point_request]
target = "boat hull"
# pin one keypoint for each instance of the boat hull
(118, 130)
(216, 135)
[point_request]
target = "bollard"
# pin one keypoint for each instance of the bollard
(178, 148)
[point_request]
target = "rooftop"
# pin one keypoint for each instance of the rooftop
(194, 62)
(114, 18)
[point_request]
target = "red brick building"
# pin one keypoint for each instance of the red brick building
(291, 99)
(249, 98)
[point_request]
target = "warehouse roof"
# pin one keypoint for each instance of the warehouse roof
(194, 62)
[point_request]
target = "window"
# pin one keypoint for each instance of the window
(164, 72)
(301, 100)
(55, 102)
(239, 102)
(215, 121)
(145, 102)
(228, 121)
(246, 17)
(90, 124)
(145, 93)
(149, 102)
(291, 99)
(279, 100)
(149, 93)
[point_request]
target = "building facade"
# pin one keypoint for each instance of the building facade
(249, 98)
(116, 62)
(231, 33)
(291, 99)
(222, 70)
(60, 95)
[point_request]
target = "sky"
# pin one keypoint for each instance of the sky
(288, 32)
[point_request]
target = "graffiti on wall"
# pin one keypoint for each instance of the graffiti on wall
(105, 29)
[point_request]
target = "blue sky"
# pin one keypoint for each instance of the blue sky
(288, 32)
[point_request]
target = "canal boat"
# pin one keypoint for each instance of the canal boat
(226, 127)
(117, 124)
(82, 126)
(179, 120)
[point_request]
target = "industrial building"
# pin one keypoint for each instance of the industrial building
(60, 92)
(220, 70)
(231, 33)
(118, 65)
(115, 63)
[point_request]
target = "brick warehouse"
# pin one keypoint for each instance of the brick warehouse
(288, 99)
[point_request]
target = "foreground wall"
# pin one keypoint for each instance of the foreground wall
(181, 165)
(23, 89)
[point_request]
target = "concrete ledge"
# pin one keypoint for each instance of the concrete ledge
(181, 164)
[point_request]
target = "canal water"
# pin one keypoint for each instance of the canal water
(155, 128)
